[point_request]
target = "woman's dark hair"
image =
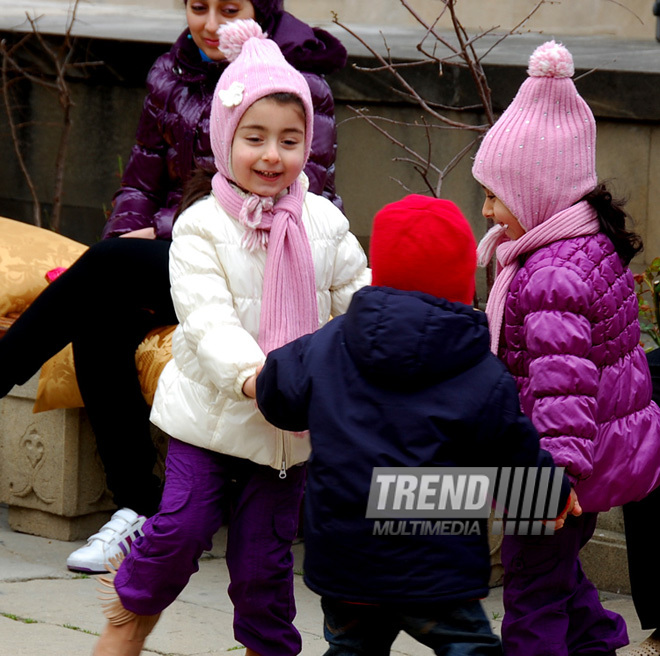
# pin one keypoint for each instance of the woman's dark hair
(199, 183)
(196, 187)
(612, 218)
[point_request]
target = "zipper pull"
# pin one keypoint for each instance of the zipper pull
(283, 470)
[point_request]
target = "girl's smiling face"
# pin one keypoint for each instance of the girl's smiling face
(500, 214)
(205, 17)
(268, 150)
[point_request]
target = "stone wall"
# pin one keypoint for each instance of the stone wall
(631, 19)
(624, 94)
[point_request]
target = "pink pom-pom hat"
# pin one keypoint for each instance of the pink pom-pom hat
(539, 158)
(257, 69)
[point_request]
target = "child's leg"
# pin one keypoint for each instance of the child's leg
(161, 562)
(452, 629)
(358, 630)
(593, 629)
(261, 530)
(551, 608)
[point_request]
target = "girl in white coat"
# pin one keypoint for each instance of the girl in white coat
(254, 264)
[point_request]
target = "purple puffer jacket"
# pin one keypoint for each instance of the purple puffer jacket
(571, 339)
(173, 133)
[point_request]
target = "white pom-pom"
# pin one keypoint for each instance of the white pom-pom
(234, 34)
(551, 60)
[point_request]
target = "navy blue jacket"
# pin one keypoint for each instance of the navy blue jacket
(402, 379)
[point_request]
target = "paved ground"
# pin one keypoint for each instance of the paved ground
(45, 609)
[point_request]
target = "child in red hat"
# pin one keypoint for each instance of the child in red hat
(404, 379)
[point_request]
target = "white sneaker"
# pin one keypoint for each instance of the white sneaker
(114, 539)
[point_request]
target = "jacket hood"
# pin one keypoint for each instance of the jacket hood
(308, 49)
(411, 339)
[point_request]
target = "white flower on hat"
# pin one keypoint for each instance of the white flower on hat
(233, 95)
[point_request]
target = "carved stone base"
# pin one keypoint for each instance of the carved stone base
(51, 476)
(54, 527)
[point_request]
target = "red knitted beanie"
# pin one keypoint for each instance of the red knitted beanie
(424, 244)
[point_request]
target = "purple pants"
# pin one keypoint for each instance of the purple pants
(550, 607)
(203, 491)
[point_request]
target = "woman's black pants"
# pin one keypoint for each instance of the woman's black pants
(105, 304)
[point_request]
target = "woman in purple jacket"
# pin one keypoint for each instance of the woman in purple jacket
(119, 288)
(563, 317)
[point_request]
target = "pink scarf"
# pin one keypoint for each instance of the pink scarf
(576, 221)
(288, 304)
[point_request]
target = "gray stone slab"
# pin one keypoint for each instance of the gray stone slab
(161, 25)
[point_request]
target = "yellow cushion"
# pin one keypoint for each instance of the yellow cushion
(27, 253)
(154, 352)
(58, 387)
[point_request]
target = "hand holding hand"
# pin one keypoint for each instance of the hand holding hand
(250, 384)
(573, 507)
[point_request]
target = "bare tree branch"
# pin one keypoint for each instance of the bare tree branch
(414, 95)
(36, 205)
(456, 49)
(620, 4)
(60, 59)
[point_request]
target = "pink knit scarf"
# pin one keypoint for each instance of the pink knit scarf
(288, 303)
(576, 221)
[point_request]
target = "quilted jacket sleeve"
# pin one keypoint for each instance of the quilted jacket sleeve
(145, 182)
(320, 167)
(350, 271)
(505, 437)
(219, 348)
(563, 381)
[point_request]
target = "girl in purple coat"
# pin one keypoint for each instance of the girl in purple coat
(563, 318)
(119, 289)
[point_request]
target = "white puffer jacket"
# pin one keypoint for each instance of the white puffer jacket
(217, 288)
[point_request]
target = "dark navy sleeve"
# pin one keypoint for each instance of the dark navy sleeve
(510, 439)
(284, 386)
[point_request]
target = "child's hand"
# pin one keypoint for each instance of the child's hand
(573, 507)
(250, 384)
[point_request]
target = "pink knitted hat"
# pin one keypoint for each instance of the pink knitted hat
(540, 156)
(257, 69)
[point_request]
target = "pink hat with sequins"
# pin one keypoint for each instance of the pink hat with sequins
(257, 69)
(540, 156)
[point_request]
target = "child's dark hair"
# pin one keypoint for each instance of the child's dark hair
(612, 218)
(199, 184)
(286, 98)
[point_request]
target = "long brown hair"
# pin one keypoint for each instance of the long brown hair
(612, 218)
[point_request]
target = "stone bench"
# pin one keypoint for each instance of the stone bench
(51, 477)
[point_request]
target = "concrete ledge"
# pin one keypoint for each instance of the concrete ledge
(604, 558)
(48, 525)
